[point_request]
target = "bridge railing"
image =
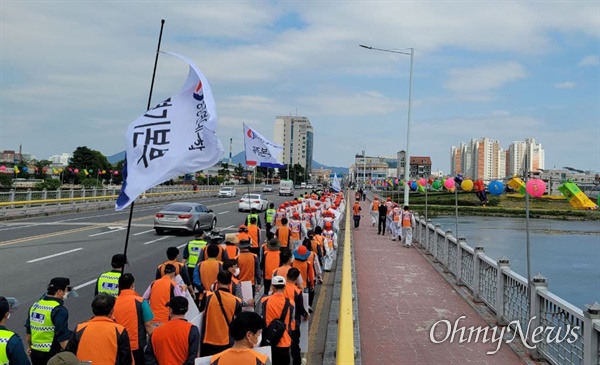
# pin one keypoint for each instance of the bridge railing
(574, 334)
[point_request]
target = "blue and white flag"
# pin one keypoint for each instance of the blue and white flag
(335, 184)
(174, 138)
(260, 151)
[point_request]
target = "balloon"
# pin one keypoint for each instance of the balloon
(496, 188)
(536, 187)
(467, 185)
(458, 179)
(436, 184)
(90, 171)
(25, 169)
(423, 181)
(414, 185)
(45, 169)
(35, 168)
(430, 181)
(60, 170)
(2, 168)
(103, 172)
(76, 171)
(449, 183)
(116, 172)
(70, 169)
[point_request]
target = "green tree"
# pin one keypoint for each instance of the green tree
(48, 184)
(118, 178)
(296, 173)
(41, 165)
(6, 181)
(239, 170)
(224, 170)
(90, 183)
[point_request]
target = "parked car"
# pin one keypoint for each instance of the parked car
(249, 201)
(227, 191)
(184, 216)
(268, 189)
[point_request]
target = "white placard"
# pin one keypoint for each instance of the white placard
(247, 295)
(193, 315)
(205, 360)
(304, 327)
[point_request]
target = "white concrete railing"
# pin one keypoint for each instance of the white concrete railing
(506, 294)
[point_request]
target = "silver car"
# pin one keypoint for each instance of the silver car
(249, 201)
(183, 216)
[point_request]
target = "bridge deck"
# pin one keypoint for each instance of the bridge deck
(400, 297)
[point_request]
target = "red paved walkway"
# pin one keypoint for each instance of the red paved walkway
(400, 297)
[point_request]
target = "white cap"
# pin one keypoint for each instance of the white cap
(278, 280)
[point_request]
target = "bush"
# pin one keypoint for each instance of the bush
(6, 181)
(48, 184)
(90, 183)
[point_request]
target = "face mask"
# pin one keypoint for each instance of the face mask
(236, 272)
(254, 345)
(8, 316)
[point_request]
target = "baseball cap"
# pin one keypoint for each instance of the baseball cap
(278, 280)
(59, 283)
(179, 305)
(64, 358)
(169, 268)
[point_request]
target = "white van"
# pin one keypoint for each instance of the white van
(286, 187)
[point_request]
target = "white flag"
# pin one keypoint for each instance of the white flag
(335, 184)
(259, 150)
(174, 138)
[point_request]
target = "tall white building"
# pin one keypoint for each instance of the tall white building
(525, 155)
(296, 135)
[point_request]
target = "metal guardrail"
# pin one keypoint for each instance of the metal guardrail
(345, 338)
(21, 203)
(506, 293)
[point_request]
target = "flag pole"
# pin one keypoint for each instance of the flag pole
(162, 25)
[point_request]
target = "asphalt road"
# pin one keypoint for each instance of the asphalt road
(80, 246)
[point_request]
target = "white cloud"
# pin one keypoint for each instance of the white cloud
(565, 85)
(358, 105)
(591, 60)
(484, 78)
(500, 113)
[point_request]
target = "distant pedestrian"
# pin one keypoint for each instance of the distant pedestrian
(356, 214)
(374, 210)
(270, 261)
(133, 312)
(253, 214)
(249, 265)
(382, 210)
(270, 216)
(408, 222)
(192, 250)
(245, 329)
(206, 273)
(11, 345)
(108, 282)
(47, 327)
(101, 340)
(396, 225)
(254, 233)
(175, 342)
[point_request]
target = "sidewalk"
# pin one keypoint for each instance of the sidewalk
(400, 297)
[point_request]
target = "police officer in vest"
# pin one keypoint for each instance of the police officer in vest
(47, 325)
(11, 346)
(253, 214)
(269, 217)
(109, 281)
(192, 251)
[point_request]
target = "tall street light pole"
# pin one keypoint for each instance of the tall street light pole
(411, 53)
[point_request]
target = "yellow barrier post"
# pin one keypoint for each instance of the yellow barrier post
(345, 344)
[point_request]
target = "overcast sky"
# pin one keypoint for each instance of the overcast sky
(76, 73)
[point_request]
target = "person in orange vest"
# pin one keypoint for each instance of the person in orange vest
(249, 265)
(206, 273)
(101, 340)
(314, 243)
(134, 313)
(235, 287)
(283, 233)
(294, 294)
(254, 233)
(277, 306)
(374, 211)
(330, 245)
(269, 262)
(285, 260)
(396, 224)
(221, 309)
(298, 230)
(245, 330)
(356, 214)
(231, 245)
(280, 215)
(307, 271)
(214, 239)
(175, 342)
(408, 222)
(180, 268)
(160, 292)
(243, 233)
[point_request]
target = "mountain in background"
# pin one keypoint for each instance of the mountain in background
(241, 158)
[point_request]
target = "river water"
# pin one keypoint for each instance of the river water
(567, 253)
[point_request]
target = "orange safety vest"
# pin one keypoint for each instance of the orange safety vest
(209, 270)
(214, 326)
(128, 313)
(406, 219)
(246, 263)
(232, 251)
(307, 271)
(271, 263)
(170, 341)
(99, 340)
(219, 256)
(282, 271)
(375, 206)
(295, 228)
(283, 235)
(329, 236)
(356, 209)
(239, 356)
(178, 265)
(273, 308)
(161, 292)
(396, 214)
(253, 231)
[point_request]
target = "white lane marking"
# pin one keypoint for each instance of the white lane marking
(85, 284)
(112, 230)
(223, 212)
(139, 233)
(229, 227)
(158, 239)
(180, 246)
(56, 254)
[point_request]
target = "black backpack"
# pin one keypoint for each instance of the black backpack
(275, 330)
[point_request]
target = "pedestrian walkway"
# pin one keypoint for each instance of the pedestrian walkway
(400, 297)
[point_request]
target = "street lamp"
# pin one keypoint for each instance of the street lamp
(407, 156)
